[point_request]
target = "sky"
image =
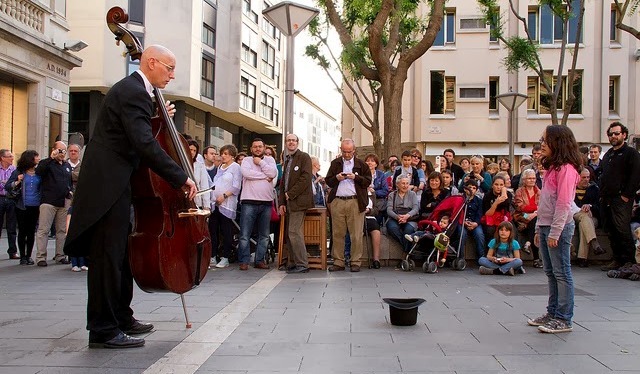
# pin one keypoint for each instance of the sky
(310, 79)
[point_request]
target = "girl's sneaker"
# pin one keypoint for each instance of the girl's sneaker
(555, 326)
(84, 268)
(540, 320)
(75, 269)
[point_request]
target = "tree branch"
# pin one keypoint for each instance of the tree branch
(429, 36)
(345, 37)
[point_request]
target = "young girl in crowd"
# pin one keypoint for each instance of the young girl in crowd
(562, 161)
(504, 253)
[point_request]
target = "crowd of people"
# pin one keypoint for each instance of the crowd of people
(250, 192)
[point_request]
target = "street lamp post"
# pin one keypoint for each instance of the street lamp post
(511, 100)
(290, 18)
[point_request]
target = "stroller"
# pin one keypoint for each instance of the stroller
(435, 244)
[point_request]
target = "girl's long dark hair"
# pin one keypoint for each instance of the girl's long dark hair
(507, 225)
(27, 160)
(564, 148)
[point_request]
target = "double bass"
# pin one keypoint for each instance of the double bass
(170, 246)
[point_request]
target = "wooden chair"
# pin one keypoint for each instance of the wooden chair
(315, 233)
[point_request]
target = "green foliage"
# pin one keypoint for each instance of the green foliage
(357, 16)
(522, 54)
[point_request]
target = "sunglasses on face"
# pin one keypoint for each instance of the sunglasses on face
(614, 133)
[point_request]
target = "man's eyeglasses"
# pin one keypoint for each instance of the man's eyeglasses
(347, 152)
(292, 140)
(616, 133)
(169, 67)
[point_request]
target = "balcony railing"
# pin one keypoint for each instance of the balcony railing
(25, 12)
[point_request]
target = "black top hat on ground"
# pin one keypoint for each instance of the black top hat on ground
(403, 312)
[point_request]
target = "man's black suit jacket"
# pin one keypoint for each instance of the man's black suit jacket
(122, 139)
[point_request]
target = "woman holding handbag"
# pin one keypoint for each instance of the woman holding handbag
(26, 184)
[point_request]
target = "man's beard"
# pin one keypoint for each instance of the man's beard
(616, 142)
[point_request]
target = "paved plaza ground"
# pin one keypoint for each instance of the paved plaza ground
(269, 322)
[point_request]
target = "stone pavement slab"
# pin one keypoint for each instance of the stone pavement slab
(257, 322)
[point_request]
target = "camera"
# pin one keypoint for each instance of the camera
(344, 174)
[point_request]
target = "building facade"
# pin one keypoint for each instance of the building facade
(318, 131)
(449, 98)
(229, 63)
(35, 72)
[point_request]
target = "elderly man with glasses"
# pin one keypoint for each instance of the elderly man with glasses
(618, 184)
(349, 177)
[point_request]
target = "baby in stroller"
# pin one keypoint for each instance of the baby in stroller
(434, 238)
(430, 233)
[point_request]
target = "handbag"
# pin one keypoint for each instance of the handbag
(15, 192)
(275, 216)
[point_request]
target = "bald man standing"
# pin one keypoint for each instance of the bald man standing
(99, 225)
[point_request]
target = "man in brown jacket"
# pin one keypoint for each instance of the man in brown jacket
(295, 198)
(349, 177)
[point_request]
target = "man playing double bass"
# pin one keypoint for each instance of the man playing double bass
(99, 226)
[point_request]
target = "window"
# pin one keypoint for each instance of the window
(136, 11)
(266, 105)
(276, 74)
(614, 90)
(494, 90)
(472, 24)
(492, 28)
(249, 56)
(208, 74)
(473, 93)
(249, 52)
(134, 65)
(268, 59)
(208, 36)
(246, 10)
(532, 22)
(209, 15)
(267, 26)
(539, 100)
(613, 30)
(552, 26)
(443, 90)
(447, 33)
(248, 93)
(61, 7)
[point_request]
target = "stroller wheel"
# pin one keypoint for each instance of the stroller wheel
(412, 264)
(459, 264)
(432, 267)
(404, 265)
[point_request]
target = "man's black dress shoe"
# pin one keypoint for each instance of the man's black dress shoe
(298, 269)
(121, 340)
(138, 328)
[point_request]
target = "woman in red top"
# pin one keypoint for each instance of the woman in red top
(525, 203)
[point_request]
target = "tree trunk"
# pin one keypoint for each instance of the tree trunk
(392, 99)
